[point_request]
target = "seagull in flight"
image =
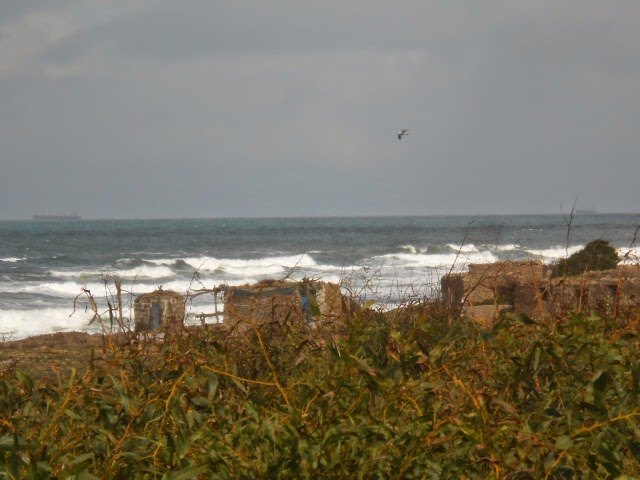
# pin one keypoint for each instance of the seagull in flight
(402, 133)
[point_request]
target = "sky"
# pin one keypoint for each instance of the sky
(246, 108)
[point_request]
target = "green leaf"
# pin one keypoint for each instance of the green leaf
(189, 472)
(552, 412)
(501, 324)
(555, 351)
(436, 353)
(79, 464)
(536, 359)
(124, 399)
(71, 414)
(466, 429)
(11, 442)
(87, 476)
(313, 306)
(600, 382)
(635, 379)
(506, 406)
(362, 365)
(523, 319)
(199, 401)
(25, 381)
(212, 385)
(564, 442)
(183, 444)
(368, 304)
(43, 467)
(488, 337)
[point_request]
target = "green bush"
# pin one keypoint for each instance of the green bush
(597, 255)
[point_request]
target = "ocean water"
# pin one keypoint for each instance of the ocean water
(45, 266)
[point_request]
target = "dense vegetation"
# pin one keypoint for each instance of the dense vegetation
(596, 255)
(411, 394)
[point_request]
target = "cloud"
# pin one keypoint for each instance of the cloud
(246, 105)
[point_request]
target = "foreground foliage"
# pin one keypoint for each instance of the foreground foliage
(410, 394)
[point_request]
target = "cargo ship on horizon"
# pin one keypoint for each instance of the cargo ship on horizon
(58, 217)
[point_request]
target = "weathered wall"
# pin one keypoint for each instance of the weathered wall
(330, 301)
(160, 310)
(504, 283)
(489, 289)
(276, 300)
(609, 292)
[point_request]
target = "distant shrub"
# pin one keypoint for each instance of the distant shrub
(597, 255)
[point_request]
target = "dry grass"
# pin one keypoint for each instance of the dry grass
(412, 393)
(42, 356)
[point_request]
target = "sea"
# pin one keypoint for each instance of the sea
(51, 272)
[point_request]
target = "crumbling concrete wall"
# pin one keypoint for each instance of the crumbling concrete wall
(508, 283)
(329, 300)
(310, 302)
(452, 289)
(488, 290)
(160, 310)
(503, 285)
(613, 292)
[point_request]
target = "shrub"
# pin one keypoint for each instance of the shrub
(410, 394)
(597, 255)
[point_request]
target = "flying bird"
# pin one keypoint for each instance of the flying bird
(402, 133)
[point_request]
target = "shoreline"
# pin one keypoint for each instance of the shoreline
(50, 358)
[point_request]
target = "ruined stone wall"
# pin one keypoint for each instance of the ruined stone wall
(490, 289)
(609, 292)
(271, 300)
(262, 304)
(452, 289)
(160, 310)
(329, 299)
(504, 282)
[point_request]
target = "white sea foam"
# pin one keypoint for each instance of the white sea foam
(467, 248)
(16, 324)
(507, 248)
(555, 253)
(64, 289)
(12, 259)
(413, 249)
(74, 273)
(215, 280)
(438, 260)
(145, 271)
(326, 268)
(418, 259)
(230, 269)
(332, 278)
(163, 261)
(142, 272)
(253, 267)
(70, 290)
(629, 256)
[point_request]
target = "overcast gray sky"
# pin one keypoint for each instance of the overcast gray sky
(223, 108)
